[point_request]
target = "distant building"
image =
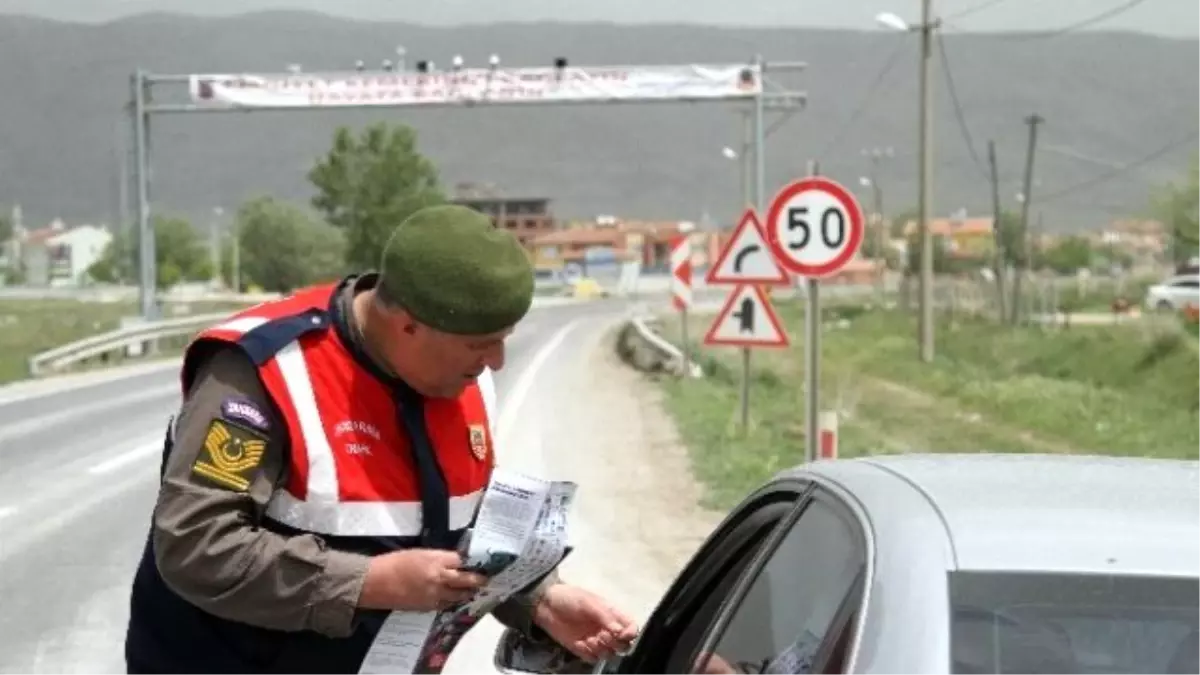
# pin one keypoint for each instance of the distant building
(965, 236)
(526, 217)
(609, 239)
(57, 255)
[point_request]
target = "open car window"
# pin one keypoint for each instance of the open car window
(690, 608)
(798, 603)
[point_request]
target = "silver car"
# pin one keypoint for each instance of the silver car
(936, 564)
(1175, 293)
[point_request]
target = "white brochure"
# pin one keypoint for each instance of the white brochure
(520, 535)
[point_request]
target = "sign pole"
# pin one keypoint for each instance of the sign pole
(748, 321)
(814, 228)
(683, 345)
(812, 366)
(812, 360)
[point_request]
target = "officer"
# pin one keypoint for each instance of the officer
(331, 448)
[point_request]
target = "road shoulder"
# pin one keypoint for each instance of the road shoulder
(638, 501)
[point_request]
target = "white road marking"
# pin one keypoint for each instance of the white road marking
(59, 417)
(516, 397)
(129, 457)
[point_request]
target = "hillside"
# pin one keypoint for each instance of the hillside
(1108, 98)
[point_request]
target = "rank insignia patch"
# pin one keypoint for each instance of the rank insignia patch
(230, 455)
(478, 438)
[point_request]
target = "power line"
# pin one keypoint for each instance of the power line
(1103, 16)
(974, 9)
(958, 110)
(866, 99)
(1120, 170)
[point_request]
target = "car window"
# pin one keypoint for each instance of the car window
(691, 606)
(790, 608)
(1187, 283)
(1072, 623)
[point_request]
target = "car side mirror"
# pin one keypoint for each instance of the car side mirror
(519, 653)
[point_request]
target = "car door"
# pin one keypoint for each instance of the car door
(1183, 291)
(792, 608)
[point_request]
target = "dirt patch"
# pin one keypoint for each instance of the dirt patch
(668, 508)
(637, 494)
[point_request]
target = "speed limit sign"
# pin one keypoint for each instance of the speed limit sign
(814, 227)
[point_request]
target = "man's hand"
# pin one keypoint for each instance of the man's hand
(417, 580)
(583, 623)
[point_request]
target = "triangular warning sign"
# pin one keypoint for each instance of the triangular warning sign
(747, 259)
(747, 320)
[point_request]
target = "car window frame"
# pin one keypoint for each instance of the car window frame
(675, 613)
(852, 514)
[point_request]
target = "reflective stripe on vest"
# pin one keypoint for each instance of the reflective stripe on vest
(322, 510)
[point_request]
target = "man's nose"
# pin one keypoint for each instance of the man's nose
(494, 359)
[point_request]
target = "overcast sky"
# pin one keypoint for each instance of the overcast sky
(1178, 18)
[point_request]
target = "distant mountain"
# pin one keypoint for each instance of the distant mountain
(1108, 98)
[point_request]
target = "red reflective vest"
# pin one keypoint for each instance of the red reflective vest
(351, 470)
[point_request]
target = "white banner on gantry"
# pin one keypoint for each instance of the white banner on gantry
(478, 85)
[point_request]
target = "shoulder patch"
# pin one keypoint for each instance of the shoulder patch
(230, 455)
(239, 409)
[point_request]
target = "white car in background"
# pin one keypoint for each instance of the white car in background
(1174, 293)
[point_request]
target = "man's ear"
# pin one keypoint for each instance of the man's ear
(395, 316)
(405, 321)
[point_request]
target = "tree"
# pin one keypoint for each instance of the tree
(901, 220)
(179, 252)
(367, 185)
(1177, 207)
(283, 247)
(6, 229)
(941, 255)
(1067, 256)
(1012, 244)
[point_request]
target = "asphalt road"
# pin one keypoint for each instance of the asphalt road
(78, 473)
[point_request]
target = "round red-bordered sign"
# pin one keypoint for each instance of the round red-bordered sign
(814, 226)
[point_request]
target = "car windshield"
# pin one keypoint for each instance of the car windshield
(1072, 623)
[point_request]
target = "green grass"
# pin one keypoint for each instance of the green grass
(1120, 390)
(31, 326)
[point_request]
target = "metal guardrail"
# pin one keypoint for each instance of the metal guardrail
(673, 354)
(114, 293)
(59, 358)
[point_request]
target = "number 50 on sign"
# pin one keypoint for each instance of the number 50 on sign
(814, 227)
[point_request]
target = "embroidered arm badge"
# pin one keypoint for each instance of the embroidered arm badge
(230, 455)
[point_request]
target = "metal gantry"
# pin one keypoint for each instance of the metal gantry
(395, 86)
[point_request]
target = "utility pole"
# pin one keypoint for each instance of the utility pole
(925, 169)
(214, 235)
(1026, 199)
(999, 259)
(747, 158)
(235, 258)
(876, 155)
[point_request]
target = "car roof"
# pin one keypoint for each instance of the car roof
(1024, 512)
(1187, 276)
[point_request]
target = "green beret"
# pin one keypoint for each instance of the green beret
(454, 271)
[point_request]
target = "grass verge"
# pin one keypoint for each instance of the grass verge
(31, 326)
(1127, 389)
